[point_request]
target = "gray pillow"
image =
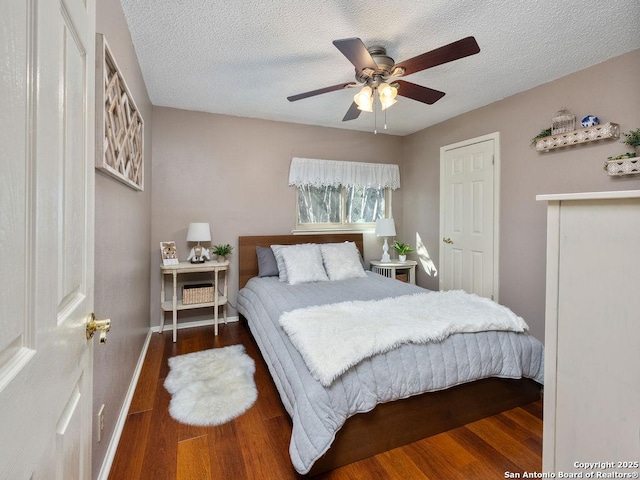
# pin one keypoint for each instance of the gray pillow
(267, 265)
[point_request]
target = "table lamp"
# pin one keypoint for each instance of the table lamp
(199, 232)
(385, 227)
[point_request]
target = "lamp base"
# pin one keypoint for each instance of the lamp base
(385, 252)
(194, 260)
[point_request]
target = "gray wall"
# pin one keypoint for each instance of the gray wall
(233, 172)
(609, 90)
(123, 218)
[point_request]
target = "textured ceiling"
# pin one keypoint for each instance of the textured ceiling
(245, 57)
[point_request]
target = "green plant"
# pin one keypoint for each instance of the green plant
(402, 248)
(632, 138)
(222, 250)
(543, 133)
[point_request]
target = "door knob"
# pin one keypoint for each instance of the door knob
(447, 240)
(103, 325)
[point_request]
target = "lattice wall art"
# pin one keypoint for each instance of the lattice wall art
(120, 128)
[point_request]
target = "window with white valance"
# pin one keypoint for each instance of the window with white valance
(342, 195)
(309, 171)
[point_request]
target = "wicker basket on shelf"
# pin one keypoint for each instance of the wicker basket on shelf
(200, 293)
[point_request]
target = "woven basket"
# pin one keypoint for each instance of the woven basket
(200, 293)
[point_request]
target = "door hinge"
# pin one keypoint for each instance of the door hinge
(493, 159)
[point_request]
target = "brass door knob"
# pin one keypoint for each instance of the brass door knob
(447, 240)
(103, 325)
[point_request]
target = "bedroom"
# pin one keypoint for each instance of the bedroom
(251, 197)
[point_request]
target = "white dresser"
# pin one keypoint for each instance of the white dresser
(592, 332)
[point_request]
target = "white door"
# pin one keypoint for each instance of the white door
(46, 233)
(468, 216)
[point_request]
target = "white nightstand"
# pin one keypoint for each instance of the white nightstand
(394, 268)
(174, 304)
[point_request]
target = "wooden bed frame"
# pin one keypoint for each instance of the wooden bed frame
(397, 423)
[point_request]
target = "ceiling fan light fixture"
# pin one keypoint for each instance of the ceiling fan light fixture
(364, 99)
(387, 95)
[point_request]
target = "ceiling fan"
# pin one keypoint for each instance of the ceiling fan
(378, 73)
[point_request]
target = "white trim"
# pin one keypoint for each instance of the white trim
(589, 195)
(496, 203)
(199, 323)
(124, 412)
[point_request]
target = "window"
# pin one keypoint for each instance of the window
(341, 195)
(340, 207)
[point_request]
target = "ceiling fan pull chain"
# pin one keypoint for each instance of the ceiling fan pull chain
(375, 113)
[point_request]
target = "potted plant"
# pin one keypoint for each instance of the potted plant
(632, 138)
(222, 251)
(402, 249)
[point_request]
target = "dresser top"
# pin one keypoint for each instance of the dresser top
(589, 195)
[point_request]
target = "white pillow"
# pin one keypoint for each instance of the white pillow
(303, 263)
(282, 269)
(342, 260)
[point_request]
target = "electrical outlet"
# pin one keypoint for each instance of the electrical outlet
(100, 422)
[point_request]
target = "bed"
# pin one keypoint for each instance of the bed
(391, 398)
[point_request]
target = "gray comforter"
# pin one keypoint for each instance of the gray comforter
(318, 412)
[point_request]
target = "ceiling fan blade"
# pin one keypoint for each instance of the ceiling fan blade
(352, 113)
(418, 92)
(313, 93)
(356, 53)
(454, 51)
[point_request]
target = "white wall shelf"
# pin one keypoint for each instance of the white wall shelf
(582, 135)
(623, 166)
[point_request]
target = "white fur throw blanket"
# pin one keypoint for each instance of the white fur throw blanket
(333, 338)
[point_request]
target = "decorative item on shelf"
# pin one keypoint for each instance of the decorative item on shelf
(169, 253)
(543, 134)
(563, 122)
(385, 227)
(402, 249)
(199, 232)
(222, 251)
(589, 121)
(632, 138)
(199, 293)
(627, 163)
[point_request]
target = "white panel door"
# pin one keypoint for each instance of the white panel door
(468, 217)
(46, 232)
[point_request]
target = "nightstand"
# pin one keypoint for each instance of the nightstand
(174, 304)
(396, 269)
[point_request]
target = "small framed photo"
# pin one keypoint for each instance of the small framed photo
(169, 253)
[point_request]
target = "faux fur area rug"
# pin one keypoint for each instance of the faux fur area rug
(211, 387)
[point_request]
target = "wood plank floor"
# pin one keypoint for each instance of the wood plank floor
(256, 444)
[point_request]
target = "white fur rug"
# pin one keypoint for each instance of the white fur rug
(211, 387)
(333, 338)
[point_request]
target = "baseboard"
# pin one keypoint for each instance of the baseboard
(124, 411)
(198, 323)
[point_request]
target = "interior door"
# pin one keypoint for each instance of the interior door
(46, 232)
(468, 216)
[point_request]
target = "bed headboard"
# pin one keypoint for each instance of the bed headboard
(248, 260)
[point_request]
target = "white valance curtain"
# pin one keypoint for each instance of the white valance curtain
(309, 171)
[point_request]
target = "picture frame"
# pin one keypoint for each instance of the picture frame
(169, 253)
(119, 124)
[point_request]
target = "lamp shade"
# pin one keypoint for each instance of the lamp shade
(385, 227)
(199, 232)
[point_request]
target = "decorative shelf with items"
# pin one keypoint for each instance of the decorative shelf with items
(583, 135)
(627, 163)
(563, 132)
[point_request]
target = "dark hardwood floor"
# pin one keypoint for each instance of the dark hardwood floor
(256, 444)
